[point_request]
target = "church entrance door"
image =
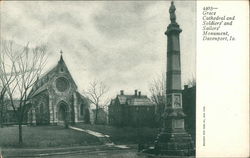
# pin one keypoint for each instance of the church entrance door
(63, 113)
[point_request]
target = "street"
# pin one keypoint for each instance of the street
(101, 154)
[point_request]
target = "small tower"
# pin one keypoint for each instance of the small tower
(173, 139)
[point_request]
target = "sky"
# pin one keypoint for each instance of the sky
(121, 43)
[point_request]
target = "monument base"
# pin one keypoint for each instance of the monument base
(176, 143)
(149, 153)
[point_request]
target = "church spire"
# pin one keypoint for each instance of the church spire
(61, 57)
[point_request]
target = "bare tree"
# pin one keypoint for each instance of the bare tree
(157, 88)
(7, 77)
(3, 100)
(96, 94)
(2, 104)
(23, 66)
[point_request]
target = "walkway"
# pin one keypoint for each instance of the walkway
(103, 138)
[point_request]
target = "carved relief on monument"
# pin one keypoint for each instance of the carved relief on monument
(174, 101)
(177, 101)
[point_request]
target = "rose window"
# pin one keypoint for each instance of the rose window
(62, 84)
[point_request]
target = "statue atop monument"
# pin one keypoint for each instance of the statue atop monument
(172, 12)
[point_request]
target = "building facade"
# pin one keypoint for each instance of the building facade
(189, 108)
(132, 110)
(54, 99)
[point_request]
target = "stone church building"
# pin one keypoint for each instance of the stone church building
(54, 99)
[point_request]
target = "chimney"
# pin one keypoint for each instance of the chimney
(139, 93)
(185, 87)
(122, 92)
(136, 92)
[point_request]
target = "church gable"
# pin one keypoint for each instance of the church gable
(58, 78)
(61, 68)
(62, 78)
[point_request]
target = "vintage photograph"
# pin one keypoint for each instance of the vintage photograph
(98, 79)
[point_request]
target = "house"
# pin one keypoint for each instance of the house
(131, 110)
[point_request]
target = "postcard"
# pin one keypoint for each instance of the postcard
(130, 79)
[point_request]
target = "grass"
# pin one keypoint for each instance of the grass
(57, 136)
(45, 136)
(125, 135)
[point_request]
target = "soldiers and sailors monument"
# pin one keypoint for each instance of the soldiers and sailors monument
(173, 140)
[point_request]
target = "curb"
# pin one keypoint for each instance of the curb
(64, 153)
(76, 151)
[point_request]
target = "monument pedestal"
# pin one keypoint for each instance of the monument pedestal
(176, 144)
(173, 139)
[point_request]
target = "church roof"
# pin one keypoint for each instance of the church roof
(140, 101)
(16, 103)
(83, 98)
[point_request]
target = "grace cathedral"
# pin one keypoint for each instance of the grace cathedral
(54, 98)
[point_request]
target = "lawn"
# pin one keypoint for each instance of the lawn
(45, 136)
(125, 135)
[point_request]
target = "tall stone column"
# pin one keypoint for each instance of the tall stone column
(173, 139)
